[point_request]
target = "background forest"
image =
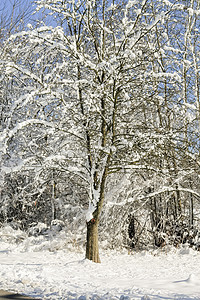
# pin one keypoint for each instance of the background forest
(100, 120)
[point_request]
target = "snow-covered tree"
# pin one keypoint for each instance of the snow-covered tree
(97, 96)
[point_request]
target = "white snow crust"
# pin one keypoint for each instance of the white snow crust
(51, 269)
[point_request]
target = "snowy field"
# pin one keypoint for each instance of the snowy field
(51, 269)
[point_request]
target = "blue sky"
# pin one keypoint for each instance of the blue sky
(19, 4)
(20, 7)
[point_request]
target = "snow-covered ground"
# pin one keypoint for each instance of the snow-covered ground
(51, 269)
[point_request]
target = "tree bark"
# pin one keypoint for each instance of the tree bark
(92, 247)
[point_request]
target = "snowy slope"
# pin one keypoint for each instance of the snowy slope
(65, 274)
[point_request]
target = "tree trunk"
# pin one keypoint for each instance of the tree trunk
(92, 247)
(191, 211)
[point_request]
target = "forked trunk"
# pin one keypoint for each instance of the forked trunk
(92, 247)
